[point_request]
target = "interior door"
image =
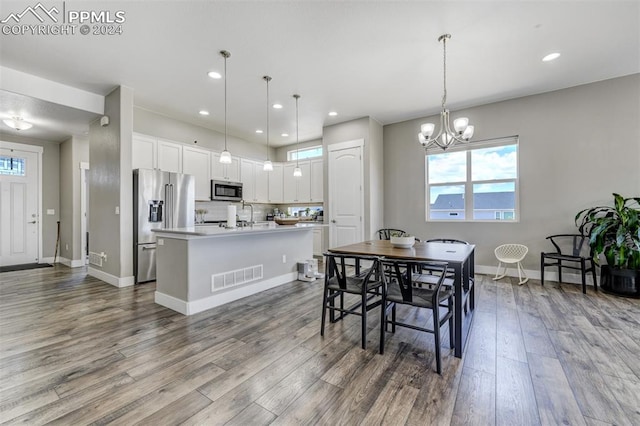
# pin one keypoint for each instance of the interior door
(346, 197)
(19, 218)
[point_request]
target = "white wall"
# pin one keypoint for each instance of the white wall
(577, 146)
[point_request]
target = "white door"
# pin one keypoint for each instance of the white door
(19, 218)
(346, 197)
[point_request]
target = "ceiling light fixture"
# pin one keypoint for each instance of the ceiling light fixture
(297, 172)
(333, 114)
(225, 156)
(203, 112)
(17, 123)
(551, 57)
(284, 135)
(277, 106)
(214, 74)
(445, 138)
(259, 131)
(268, 165)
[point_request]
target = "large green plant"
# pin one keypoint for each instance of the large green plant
(614, 231)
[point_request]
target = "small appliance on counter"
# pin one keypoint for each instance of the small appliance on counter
(308, 270)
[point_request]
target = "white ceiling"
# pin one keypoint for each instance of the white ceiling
(366, 58)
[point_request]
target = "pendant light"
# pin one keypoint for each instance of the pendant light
(297, 172)
(268, 166)
(225, 156)
(445, 138)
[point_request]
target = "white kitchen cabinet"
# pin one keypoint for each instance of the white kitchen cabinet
(297, 189)
(230, 172)
(143, 152)
(317, 183)
(276, 193)
(255, 184)
(169, 156)
(197, 162)
(317, 242)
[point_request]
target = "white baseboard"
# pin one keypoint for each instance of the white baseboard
(550, 274)
(221, 298)
(71, 263)
(46, 260)
(111, 279)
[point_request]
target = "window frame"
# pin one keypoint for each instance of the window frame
(468, 148)
(291, 154)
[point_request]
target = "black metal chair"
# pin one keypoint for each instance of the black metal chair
(447, 240)
(385, 233)
(399, 288)
(337, 282)
(450, 275)
(573, 249)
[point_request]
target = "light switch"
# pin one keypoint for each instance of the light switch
(51, 212)
(117, 209)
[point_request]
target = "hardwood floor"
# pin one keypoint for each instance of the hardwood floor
(74, 351)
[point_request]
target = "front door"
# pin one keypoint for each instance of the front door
(19, 218)
(346, 196)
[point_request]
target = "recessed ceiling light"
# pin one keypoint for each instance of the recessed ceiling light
(214, 74)
(259, 131)
(333, 113)
(551, 57)
(277, 106)
(285, 135)
(203, 112)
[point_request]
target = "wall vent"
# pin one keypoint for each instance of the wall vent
(234, 278)
(96, 258)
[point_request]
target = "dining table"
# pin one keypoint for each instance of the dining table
(459, 257)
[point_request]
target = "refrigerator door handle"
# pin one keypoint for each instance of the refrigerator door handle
(173, 206)
(167, 207)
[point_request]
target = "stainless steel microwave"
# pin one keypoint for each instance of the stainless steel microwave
(222, 190)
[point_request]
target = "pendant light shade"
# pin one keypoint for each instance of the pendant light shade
(268, 165)
(297, 172)
(225, 156)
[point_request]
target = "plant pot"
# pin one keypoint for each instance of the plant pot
(623, 282)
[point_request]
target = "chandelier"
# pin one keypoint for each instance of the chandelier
(445, 138)
(268, 165)
(225, 156)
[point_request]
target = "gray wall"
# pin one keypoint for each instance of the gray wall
(110, 185)
(72, 152)
(153, 124)
(577, 146)
(50, 188)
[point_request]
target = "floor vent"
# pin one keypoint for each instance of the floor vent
(233, 278)
(96, 258)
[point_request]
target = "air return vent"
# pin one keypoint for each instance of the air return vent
(97, 258)
(234, 278)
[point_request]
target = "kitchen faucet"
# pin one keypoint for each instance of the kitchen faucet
(244, 204)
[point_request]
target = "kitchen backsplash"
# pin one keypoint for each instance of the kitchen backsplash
(217, 210)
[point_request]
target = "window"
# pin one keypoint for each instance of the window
(311, 152)
(476, 182)
(12, 166)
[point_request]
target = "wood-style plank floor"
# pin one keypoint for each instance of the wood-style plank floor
(75, 351)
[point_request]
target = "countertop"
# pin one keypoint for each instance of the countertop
(207, 231)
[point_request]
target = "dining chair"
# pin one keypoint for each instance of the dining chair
(450, 274)
(574, 249)
(386, 233)
(399, 289)
(342, 278)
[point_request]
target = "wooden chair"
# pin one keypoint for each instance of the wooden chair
(573, 249)
(337, 282)
(399, 288)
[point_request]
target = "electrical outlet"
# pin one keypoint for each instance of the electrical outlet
(66, 247)
(117, 209)
(284, 258)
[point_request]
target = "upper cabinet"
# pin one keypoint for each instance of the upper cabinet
(197, 162)
(230, 172)
(276, 194)
(255, 184)
(297, 189)
(169, 156)
(317, 182)
(144, 152)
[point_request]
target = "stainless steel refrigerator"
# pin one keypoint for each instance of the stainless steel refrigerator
(160, 200)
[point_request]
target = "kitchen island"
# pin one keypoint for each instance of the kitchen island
(201, 267)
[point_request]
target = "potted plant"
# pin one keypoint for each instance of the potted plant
(614, 232)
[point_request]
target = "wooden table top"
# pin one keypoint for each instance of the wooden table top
(421, 251)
